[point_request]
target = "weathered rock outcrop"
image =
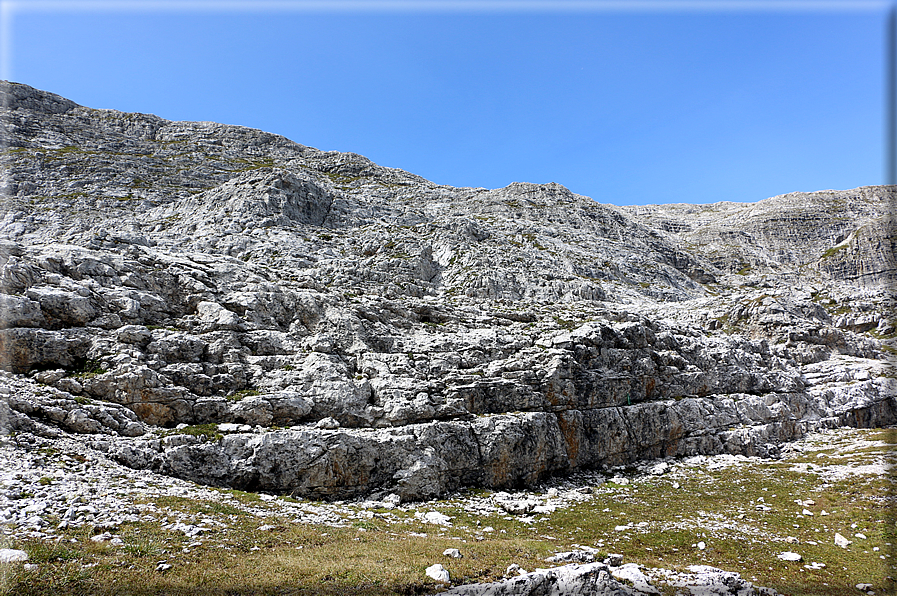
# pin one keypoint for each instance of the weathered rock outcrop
(599, 579)
(840, 235)
(231, 307)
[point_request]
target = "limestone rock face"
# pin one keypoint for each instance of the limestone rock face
(840, 235)
(230, 307)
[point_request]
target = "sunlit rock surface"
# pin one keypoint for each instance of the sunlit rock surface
(319, 325)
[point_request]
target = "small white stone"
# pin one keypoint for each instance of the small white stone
(860, 536)
(702, 545)
(438, 572)
(842, 541)
(439, 519)
(659, 469)
(11, 555)
(105, 536)
(789, 556)
(163, 567)
(452, 552)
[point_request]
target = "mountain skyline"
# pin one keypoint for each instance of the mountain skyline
(655, 103)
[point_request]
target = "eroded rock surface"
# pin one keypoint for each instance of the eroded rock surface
(314, 324)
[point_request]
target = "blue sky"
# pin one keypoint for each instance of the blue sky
(628, 103)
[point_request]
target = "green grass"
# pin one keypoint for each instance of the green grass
(238, 395)
(90, 368)
(833, 250)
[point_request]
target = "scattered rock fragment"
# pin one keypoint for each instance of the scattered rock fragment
(631, 572)
(577, 556)
(434, 517)
(614, 560)
(104, 537)
(438, 573)
(11, 555)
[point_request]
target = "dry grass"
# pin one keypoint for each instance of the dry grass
(378, 557)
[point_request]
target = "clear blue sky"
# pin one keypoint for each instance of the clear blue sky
(649, 103)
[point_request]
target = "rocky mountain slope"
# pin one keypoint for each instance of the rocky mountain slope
(224, 305)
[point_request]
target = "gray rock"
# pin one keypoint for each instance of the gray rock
(252, 411)
(592, 580)
(614, 560)
(68, 308)
(415, 338)
(11, 555)
(25, 349)
(438, 573)
(571, 557)
(20, 311)
(134, 334)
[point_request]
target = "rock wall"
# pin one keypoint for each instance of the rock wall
(226, 306)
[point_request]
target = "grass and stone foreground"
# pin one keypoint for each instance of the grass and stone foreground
(91, 526)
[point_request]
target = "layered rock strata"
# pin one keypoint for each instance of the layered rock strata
(226, 306)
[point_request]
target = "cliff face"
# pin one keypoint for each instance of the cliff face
(329, 327)
(845, 236)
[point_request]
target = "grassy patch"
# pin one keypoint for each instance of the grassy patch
(833, 251)
(90, 368)
(238, 395)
